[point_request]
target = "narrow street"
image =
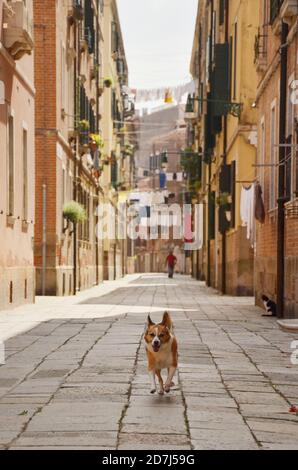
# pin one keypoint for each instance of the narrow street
(75, 373)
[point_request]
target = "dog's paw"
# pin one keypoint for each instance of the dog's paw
(172, 384)
(167, 388)
(161, 392)
(152, 391)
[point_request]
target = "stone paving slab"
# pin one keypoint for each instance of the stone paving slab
(76, 377)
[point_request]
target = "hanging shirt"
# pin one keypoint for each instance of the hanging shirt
(247, 208)
(162, 180)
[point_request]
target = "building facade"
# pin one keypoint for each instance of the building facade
(276, 62)
(118, 153)
(17, 154)
(225, 136)
(80, 149)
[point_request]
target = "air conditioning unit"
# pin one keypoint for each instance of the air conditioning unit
(289, 9)
(18, 30)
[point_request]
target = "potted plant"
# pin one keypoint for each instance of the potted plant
(83, 125)
(108, 82)
(74, 212)
(96, 141)
(223, 199)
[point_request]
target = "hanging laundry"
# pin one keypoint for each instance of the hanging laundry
(259, 204)
(180, 177)
(175, 176)
(247, 209)
(170, 176)
(96, 159)
(162, 180)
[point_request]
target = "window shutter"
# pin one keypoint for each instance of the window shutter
(222, 6)
(288, 168)
(211, 215)
(114, 38)
(223, 222)
(233, 192)
(220, 91)
(225, 179)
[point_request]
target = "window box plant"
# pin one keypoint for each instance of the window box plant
(74, 212)
(96, 141)
(108, 82)
(223, 199)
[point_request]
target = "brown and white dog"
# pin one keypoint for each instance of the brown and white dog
(162, 352)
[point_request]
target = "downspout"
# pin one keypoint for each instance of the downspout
(224, 161)
(281, 172)
(208, 281)
(75, 164)
(97, 130)
(208, 241)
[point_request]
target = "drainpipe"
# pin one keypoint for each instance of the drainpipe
(208, 241)
(281, 172)
(44, 238)
(97, 130)
(75, 166)
(224, 161)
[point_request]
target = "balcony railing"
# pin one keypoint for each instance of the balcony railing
(18, 30)
(261, 45)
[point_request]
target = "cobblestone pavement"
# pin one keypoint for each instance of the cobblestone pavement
(78, 379)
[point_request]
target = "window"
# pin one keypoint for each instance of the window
(25, 175)
(10, 195)
(272, 168)
(222, 6)
(235, 61)
(114, 38)
(63, 81)
(289, 153)
(262, 153)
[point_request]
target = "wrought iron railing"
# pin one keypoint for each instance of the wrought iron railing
(261, 44)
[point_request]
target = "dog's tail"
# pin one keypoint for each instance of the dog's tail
(167, 321)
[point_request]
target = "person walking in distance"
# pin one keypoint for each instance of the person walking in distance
(171, 262)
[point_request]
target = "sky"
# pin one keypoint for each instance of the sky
(158, 37)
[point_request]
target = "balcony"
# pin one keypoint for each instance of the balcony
(261, 43)
(18, 30)
(289, 9)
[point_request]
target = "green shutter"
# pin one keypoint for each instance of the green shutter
(211, 215)
(220, 89)
(233, 192)
(225, 179)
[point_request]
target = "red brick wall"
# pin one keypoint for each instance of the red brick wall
(45, 118)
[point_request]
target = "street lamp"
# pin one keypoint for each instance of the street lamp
(232, 108)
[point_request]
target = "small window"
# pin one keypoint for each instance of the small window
(25, 174)
(222, 6)
(11, 165)
(273, 172)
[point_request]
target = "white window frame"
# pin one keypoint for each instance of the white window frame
(262, 153)
(273, 194)
(25, 193)
(11, 114)
(291, 131)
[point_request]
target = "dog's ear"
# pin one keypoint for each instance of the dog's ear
(166, 320)
(149, 321)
